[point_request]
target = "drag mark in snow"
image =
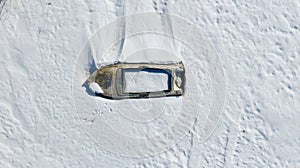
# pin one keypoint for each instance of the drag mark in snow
(121, 12)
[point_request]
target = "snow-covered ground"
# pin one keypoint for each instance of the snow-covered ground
(48, 119)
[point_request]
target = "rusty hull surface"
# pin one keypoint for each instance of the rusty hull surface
(111, 80)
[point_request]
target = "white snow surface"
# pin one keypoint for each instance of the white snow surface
(143, 81)
(257, 43)
(95, 88)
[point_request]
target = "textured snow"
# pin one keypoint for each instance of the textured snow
(257, 43)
